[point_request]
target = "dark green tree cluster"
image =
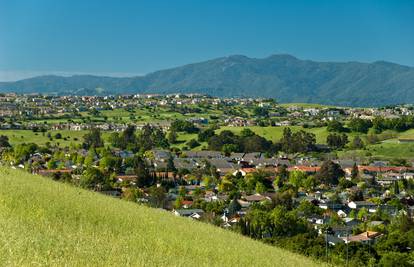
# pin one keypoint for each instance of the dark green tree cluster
(148, 138)
(329, 173)
(380, 124)
(206, 134)
(228, 142)
(93, 139)
(335, 126)
(4, 141)
(359, 125)
(337, 141)
(299, 141)
(264, 223)
(260, 112)
(184, 126)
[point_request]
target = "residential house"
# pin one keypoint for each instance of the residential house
(368, 237)
(192, 213)
(371, 207)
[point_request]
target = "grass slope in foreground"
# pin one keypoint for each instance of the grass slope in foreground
(48, 223)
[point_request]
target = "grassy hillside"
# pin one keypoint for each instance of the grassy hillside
(275, 133)
(48, 223)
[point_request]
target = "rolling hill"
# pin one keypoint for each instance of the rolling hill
(48, 223)
(284, 77)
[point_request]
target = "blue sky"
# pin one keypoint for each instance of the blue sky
(136, 37)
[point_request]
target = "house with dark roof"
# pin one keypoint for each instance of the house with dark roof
(192, 213)
(371, 207)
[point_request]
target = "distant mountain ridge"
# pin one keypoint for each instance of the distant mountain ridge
(283, 77)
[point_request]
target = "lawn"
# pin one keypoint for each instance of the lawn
(28, 136)
(49, 223)
(275, 133)
(183, 138)
(392, 150)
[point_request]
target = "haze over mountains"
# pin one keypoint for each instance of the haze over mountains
(283, 77)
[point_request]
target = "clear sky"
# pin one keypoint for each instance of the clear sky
(137, 37)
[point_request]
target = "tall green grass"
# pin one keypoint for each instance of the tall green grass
(49, 223)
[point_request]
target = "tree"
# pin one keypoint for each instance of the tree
(226, 137)
(158, 196)
(110, 163)
(344, 183)
(150, 137)
(297, 178)
(141, 171)
(92, 178)
(260, 188)
(170, 165)
(300, 141)
(359, 125)
(246, 132)
(226, 184)
(23, 151)
(234, 207)
(354, 172)
(172, 137)
(337, 141)
(184, 126)
(335, 126)
(396, 188)
(4, 141)
(93, 139)
(357, 143)
(378, 124)
(255, 143)
(307, 208)
(205, 135)
(227, 149)
(285, 223)
(132, 194)
(115, 140)
(329, 173)
(286, 139)
(395, 259)
(310, 183)
(128, 137)
(178, 203)
(261, 112)
(193, 143)
(90, 158)
(363, 214)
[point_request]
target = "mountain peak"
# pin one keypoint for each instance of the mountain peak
(282, 56)
(280, 76)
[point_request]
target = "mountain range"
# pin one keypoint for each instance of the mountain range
(283, 77)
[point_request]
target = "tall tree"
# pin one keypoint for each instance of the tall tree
(329, 173)
(93, 139)
(354, 172)
(141, 170)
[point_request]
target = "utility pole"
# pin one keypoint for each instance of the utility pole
(326, 243)
(347, 242)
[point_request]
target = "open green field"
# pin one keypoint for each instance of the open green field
(389, 148)
(183, 138)
(28, 136)
(392, 150)
(44, 222)
(275, 133)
